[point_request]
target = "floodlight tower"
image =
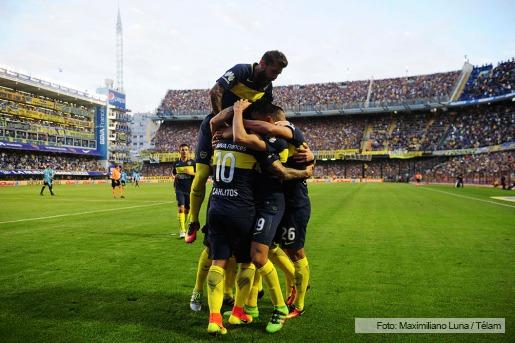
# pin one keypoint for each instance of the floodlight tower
(119, 53)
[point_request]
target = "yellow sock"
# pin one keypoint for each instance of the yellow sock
(253, 295)
(215, 291)
(198, 190)
(281, 260)
(269, 275)
(182, 221)
(230, 276)
(244, 281)
(204, 263)
(301, 281)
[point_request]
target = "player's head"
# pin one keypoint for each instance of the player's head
(270, 66)
(119, 167)
(266, 111)
(184, 150)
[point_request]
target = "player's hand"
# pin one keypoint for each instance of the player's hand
(282, 123)
(303, 154)
(310, 170)
(241, 105)
(217, 135)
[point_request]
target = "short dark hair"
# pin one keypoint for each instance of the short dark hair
(275, 56)
(263, 108)
(184, 144)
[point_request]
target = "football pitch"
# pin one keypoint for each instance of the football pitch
(83, 267)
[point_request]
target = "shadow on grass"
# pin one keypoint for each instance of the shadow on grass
(169, 312)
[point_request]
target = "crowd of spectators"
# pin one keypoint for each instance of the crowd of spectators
(379, 133)
(332, 133)
(171, 134)
(414, 87)
(157, 169)
(22, 160)
(487, 82)
(476, 127)
(481, 168)
(330, 95)
(295, 97)
(474, 168)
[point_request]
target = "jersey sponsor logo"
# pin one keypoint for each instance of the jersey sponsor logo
(272, 140)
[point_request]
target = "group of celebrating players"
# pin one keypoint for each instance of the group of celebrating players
(259, 206)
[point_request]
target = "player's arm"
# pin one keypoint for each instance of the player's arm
(304, 155)
(215, 94)
(221, 119)
(240, 136)
(285, 173)
(264, 128)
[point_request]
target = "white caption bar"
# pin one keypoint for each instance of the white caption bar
(429, 325)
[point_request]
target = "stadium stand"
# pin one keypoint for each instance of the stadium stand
(21, 160)
(457, 139)
(328, 95)
(486, 81)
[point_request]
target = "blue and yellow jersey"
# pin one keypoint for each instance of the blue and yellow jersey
(233, 181)
(295, 191)
(237, 83)
(204, 150)
(183, 179)
(277, 149)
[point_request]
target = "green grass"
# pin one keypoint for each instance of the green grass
(375, 250)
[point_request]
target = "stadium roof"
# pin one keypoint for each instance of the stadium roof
(29, 84)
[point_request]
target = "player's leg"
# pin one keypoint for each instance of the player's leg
(42, 188)
(204, 263)
(113, 188)
(181, 215)
(197, 194)
(283, 262)
(240, 244)
(50, 188)
(219, 252)
(293, 229)
(122, 189)
(230, 281)
(267, 221)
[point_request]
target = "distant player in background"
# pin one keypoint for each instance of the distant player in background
(123, 182)
(459, 181)
(183, 172)
(135, 178)
(115, 180)
(48, 177)
(418, 178)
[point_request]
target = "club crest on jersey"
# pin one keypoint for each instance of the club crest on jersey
(203, 154)
(229, 76)
(272, 139)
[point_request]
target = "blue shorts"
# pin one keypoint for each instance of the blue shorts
(293, 227)
(269, 213)
(229, 235)
(183, 199)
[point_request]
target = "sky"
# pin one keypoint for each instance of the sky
(190, 44)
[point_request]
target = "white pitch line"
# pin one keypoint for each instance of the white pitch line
(81, 213)
(54, 199)
(467, 197)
